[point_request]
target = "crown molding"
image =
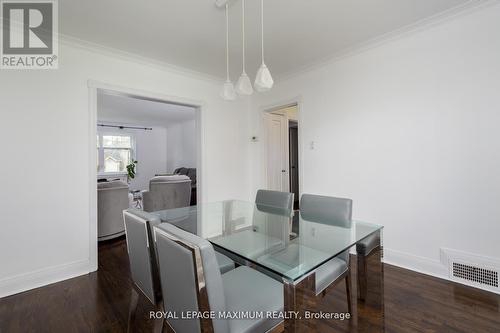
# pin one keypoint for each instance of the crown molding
(469, 7)
(132, 57)
(419, 26)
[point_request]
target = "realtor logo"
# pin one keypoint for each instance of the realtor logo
(29, 34)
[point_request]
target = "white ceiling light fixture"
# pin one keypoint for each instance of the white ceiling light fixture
(244, 86)
(227, 92)
(263, 80)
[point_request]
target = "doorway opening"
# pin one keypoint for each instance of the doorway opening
(282, 150)
(140, 137)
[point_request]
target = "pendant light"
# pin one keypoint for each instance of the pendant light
(244, 86)
(227, 92)
(263, 80)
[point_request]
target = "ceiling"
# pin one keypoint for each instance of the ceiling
(130, 110)
(190, 33)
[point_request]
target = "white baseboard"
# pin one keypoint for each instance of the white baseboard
(436, 268)
(23, 282)
(43, 277)
(416, 263)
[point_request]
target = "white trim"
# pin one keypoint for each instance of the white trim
(406, 31)
(427, 266)
(446, 254)
(415, 263)
(421, 25)
(94, 86)
(42, 277)
(132, 57)
(297, 100)
(92, 179)
(285, 165)
(145, 94)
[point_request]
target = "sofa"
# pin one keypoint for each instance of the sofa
(191, 173)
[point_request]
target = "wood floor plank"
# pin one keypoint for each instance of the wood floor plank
(98, 302)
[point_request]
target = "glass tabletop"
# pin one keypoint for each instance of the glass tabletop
(280, 241)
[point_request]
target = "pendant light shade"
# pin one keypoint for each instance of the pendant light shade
(227, 92)
(263, 80)
(244, 86)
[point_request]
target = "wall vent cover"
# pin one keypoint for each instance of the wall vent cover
(475, 274)
(472, 270)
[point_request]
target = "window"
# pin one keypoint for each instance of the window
(115, 152)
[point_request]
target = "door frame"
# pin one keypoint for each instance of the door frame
(285, 158)
(295, 101)
(93, 88)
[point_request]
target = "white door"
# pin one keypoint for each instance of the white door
(277, 152)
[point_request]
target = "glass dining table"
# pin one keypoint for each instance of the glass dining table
(283, 245)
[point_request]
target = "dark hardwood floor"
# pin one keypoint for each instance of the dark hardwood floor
(98, 302)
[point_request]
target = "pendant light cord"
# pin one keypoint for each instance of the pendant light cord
(262, 27)
(227, 41)
(243, 30)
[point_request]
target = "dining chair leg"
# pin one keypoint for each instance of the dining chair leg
(134, 297)
(348, 291)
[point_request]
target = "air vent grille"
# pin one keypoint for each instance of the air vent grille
(476, 275)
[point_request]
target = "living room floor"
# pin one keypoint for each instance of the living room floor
(99, 302)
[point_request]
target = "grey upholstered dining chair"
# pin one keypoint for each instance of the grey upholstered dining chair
(190, 283)
(276, 199)
(143, 260)
(364, 249)
(332, 211)
(166, 192)
(112, 199)
(278, 209)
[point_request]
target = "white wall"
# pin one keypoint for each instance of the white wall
(150, 152)
(45, 131)
(181, 145)
(410, 131)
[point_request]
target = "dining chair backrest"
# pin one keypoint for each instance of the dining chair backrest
(190, 278)
(327, 210)
(142, 253)
(267, 199)
(273, 213)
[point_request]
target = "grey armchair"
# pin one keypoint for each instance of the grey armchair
(166, 192)
(190, 283)
(333, 211)
(112, 199)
